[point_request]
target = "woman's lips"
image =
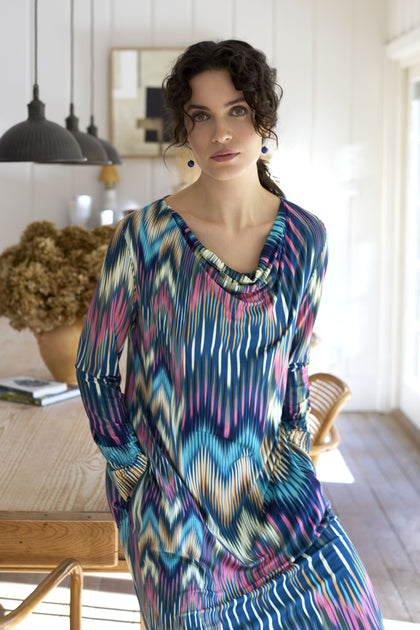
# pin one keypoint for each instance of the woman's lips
(225, 156)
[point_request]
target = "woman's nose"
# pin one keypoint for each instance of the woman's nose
(221, 131)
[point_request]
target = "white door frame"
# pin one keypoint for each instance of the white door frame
(402, 54)
(410, 388)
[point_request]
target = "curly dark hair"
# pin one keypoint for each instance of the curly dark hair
(250, 74)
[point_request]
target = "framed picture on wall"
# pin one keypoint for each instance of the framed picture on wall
(138, 121)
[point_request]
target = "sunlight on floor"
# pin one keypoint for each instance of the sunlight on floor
(391, 624)
(100, 610)
(333, 468)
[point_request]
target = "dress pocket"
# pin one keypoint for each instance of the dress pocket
(125, 478)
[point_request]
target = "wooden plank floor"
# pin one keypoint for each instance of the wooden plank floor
(380, 510)
(375, 492)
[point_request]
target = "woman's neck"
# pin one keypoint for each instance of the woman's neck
(232, 204)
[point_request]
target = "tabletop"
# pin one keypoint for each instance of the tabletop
(52, 476)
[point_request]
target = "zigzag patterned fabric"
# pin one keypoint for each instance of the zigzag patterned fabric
(220, 513)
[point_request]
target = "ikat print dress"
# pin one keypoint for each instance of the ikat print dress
(220, 513)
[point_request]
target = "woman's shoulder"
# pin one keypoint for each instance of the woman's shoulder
(304, 222)
(150, 220)
(154, 210)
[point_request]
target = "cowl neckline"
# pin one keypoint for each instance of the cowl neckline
(231, 280)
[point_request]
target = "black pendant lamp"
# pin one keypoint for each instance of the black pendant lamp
(110, 150)
(89, 145)
(38, 139)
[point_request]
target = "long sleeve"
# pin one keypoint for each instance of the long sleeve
(296, 401)
(111, 313)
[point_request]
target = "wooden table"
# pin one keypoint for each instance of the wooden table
(52, 477)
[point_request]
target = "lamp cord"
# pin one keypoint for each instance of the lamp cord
(92, 57)
(71, 50)
(36, 42)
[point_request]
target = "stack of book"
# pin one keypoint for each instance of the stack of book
(34, 391)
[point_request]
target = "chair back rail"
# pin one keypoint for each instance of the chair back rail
(328, 395)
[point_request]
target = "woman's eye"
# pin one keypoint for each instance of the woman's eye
(239, 111)
(199, 117)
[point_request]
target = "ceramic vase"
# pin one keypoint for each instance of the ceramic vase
(58, 348)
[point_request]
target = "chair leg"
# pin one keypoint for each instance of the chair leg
(76, 587)
(53, 579)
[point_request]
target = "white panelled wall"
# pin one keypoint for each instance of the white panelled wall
(330, 61)
(403, 17)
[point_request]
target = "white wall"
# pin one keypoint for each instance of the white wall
(329, 57)
(403, 17)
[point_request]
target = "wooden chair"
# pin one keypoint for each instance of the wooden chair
(328, 395)
(53, 579)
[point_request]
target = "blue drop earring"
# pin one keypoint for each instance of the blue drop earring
(264, 150)
(190, 163)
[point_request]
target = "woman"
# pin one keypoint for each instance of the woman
(215, 290)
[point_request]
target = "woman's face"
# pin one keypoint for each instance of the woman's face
(223, 138)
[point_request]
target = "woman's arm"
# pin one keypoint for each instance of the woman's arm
(296, 401)
(111, 313)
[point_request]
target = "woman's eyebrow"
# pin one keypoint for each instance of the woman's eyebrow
(229, 104)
